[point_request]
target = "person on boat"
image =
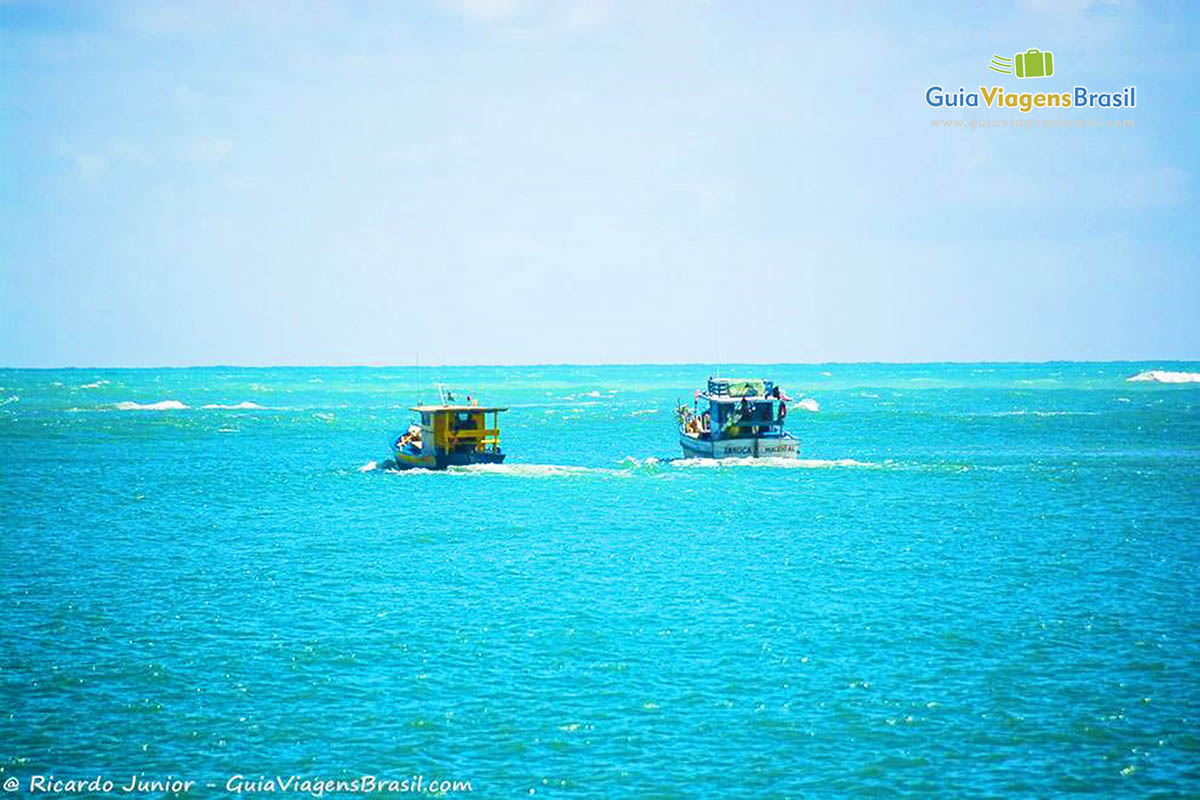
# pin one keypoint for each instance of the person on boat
(705, 422)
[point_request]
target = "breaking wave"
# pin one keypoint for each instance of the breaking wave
(1166, 376)
(95, 385)
(808, 404)
(164, 405)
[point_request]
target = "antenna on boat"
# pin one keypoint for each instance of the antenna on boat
(441, 392)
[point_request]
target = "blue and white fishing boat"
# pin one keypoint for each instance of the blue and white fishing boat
(737, 418)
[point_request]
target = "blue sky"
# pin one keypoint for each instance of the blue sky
(513, 181)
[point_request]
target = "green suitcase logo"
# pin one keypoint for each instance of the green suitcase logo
(1033, 63)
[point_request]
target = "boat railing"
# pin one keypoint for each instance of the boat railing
(483, 436)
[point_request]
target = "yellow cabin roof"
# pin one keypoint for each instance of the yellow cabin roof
(455, 409)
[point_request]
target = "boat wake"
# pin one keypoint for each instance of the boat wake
(771, 463)
(527, 470)
(628, 468)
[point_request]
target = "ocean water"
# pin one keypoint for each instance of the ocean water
(980, 580)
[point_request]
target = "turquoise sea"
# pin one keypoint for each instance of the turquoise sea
(980, 580)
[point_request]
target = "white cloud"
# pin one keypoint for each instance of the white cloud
(87, 164)
(206, 150)
(485, 10)
(535, 17)
(1068, 6)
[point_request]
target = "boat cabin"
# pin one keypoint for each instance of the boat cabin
(739, 408)
(451, 435)
(737, 418)
(454, 428)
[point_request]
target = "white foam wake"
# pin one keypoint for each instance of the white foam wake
(527, 470)
(1166, 376)
(778, 463)
(510, 470)
(630, 467)
(164, 405)
(808, 404)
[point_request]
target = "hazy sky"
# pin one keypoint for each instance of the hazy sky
(513, 181)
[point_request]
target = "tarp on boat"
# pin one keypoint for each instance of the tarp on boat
(745, 387)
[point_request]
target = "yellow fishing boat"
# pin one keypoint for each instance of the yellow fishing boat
(450, 434)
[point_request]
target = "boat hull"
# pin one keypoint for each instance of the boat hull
(409, 460)
(749, 447)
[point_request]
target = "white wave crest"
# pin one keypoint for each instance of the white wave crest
(644, 411)
(369, 466)
(164, 405)
(95, 385)
(808, 404)
(1166, 376)
(248, 406)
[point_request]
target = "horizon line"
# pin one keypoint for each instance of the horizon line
(368, 365)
